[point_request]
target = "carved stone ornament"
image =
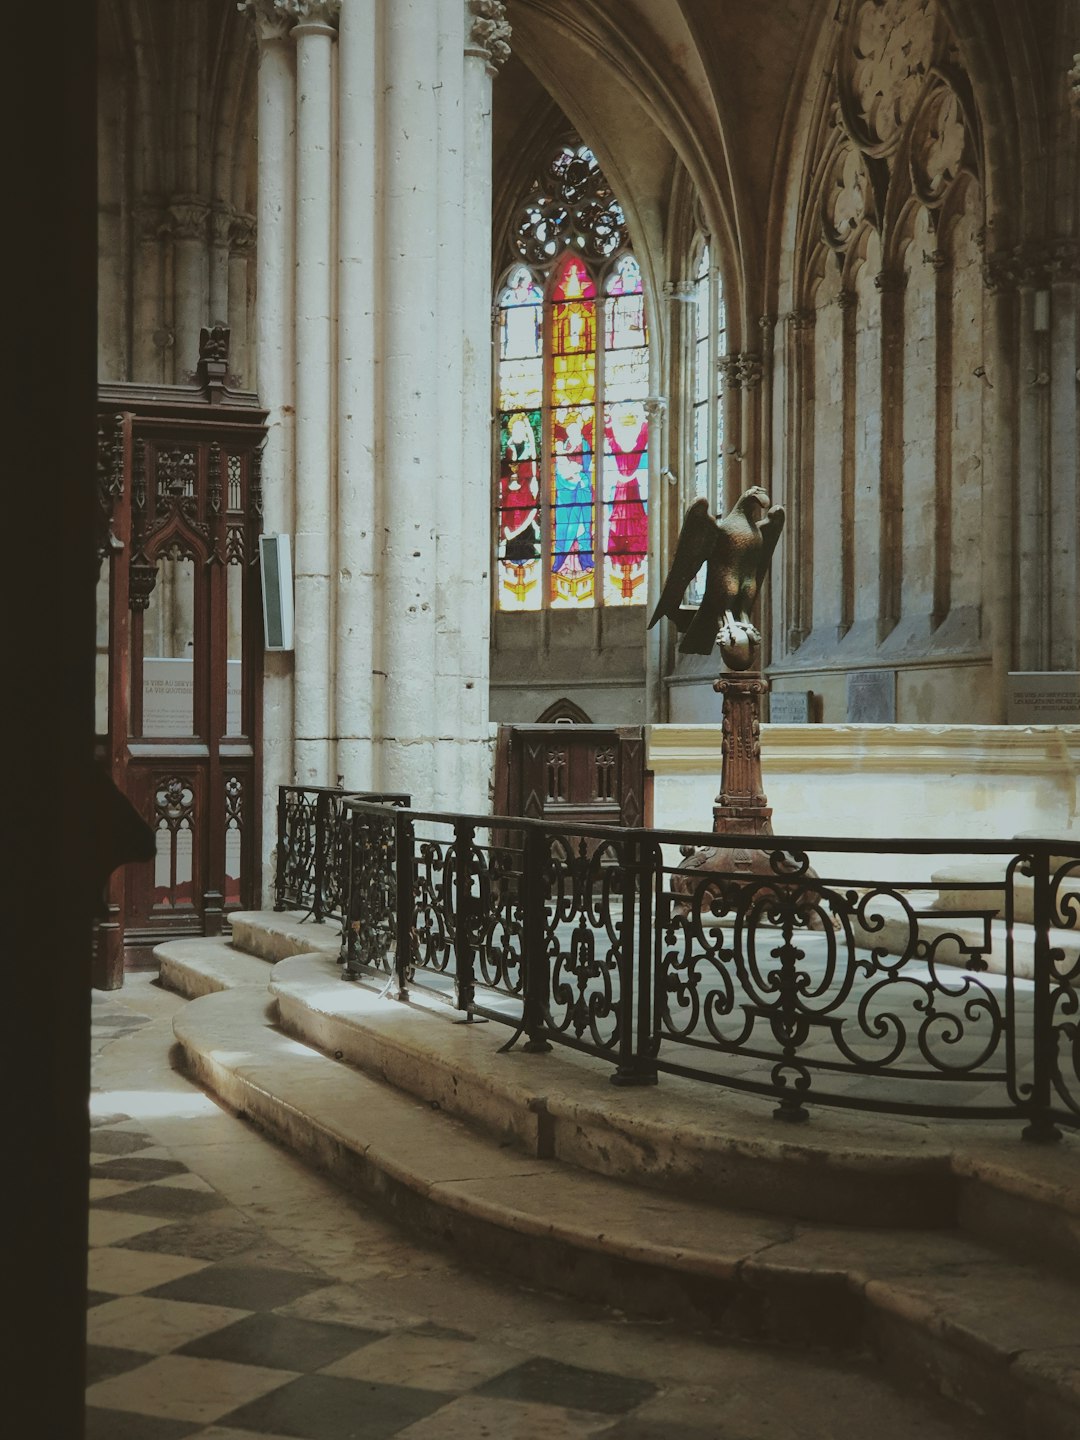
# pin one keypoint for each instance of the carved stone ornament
(740, 370)
(889, 51)
(1073, 77)
(214, 343)
(1037, 264)
(242, 235)
(939, 145)
(188, 217)
(273, 18)
(221, 223)
(846, 198)
(315, 12)
(489, 34)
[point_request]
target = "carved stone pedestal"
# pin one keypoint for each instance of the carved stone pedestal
(741, 808)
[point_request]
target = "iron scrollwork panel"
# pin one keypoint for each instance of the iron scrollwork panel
(584, 939)
(786, 972)
(1064, 999)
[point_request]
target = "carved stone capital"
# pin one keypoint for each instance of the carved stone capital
(489, 33)
(242, 235)
(680, 290)
(847, 299)
(273, 18)
(187, 218)
(1037, 263)
(656, 408)
(800, 319)
(1073, 77)
(221, 224)
(322, 13)
(151, 222)
(891, 282)
(741, 370)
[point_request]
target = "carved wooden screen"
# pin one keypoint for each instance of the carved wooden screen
(181, 487)
(594, 774)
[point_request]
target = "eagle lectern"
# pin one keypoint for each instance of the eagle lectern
(736, 552)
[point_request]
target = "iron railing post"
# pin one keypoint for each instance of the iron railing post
(404, 927)
(322, 805)
(635, 1067)
(464, 978)
(282, 831)
(1040, 1128)
(349, 897)
(536, 979)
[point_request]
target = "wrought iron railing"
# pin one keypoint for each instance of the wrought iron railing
(312, 867)
(959, 997)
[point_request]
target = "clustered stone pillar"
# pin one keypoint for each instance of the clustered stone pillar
(314, 36)
(359, 451)
(275, 346)
(374, 313)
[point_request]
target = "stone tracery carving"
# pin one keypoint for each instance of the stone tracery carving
(889, 51)
(846, 199)
(939, 145)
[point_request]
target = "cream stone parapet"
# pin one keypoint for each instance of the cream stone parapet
(988, 782)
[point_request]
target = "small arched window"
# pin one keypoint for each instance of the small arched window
(707, 348)
(571, 492)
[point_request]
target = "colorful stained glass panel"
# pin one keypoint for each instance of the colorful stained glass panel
(573, 562)
(626, 374)
(521, 384)
(625, 492)
(518, 511)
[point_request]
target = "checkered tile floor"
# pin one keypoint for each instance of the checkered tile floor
(199, 1325)
(206, 1320)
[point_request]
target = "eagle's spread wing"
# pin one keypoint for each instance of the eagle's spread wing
(770, 526)
(697, 540)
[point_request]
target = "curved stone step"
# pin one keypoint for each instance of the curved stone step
(692, 1140)
(1001, 1339)
(954, 937)
(274, 935)
(203, 966)
(955, 896)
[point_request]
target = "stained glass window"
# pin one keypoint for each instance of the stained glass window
(573, 380)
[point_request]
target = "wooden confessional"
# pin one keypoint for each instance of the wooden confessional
(179, 650)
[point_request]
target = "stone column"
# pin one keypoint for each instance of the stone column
(148, 320)
(358, 435)
(189, 216)
(487, 48)
(275, 346)
(221, 224)
(314, 35)
(241, 251)
(412, 461)
(891, 284)
(1063, 344)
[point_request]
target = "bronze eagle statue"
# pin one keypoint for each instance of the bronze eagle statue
(736, 552)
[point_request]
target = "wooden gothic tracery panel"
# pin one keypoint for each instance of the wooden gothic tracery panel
(180, 682)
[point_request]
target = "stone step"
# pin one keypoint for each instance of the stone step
(954, 937)
(201, 967)
(998, 1337)
(689, 1139)
(274, 935)
(955, 896)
